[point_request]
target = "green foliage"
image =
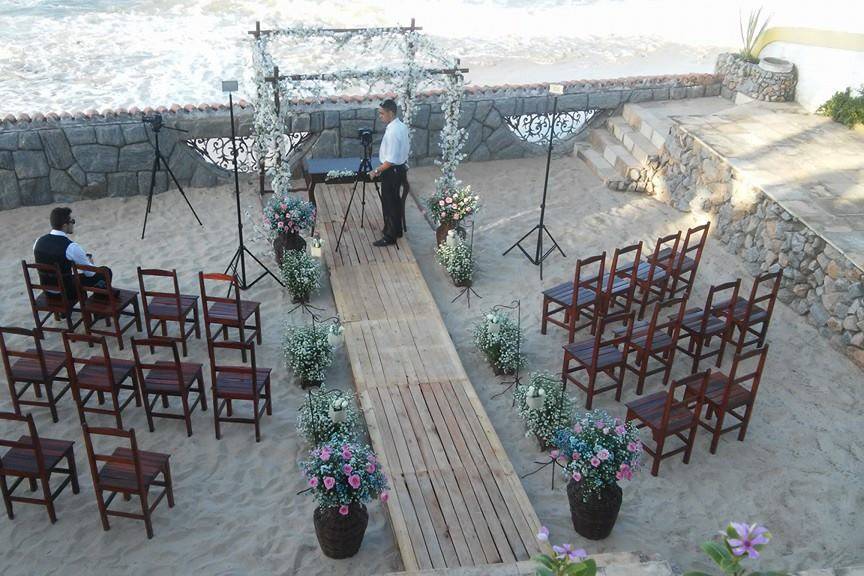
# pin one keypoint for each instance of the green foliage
(301, 273)
(308, 352)
(751, 35)
(845, 108)
(563, 566)
(739, 541)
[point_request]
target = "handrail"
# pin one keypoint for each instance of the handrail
(810, 37)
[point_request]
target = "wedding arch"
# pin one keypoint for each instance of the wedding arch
(279, 97)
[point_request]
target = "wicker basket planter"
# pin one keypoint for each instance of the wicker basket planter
(595, 518)
(284, 242)
(441, 232)
(341, 536)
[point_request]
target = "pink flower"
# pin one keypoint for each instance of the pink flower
(313, 482)
(384, 496)
(577, 428)
(346, 469)
(620, 430)
(280, 225)
(370, 468)
(354, 481)
(346, 453)
(543, 534)
(343, 510)
(329, 482)
(554, 454)
(576, 476)
(603, 454)
(618, 475)
(372, 459)
(605, 430)
(575, 455)
(325, 454)
(599, 425)
(595, 462)
(441, 203)
(456, 217)
(449, 200)
(632, 447)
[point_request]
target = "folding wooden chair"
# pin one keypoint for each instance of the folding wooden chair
(581, 297)
(49, 295)
(171, 306)
(620, 280)
(726, 394)
(232, 382)
(229, 312)
(598, 355)
(652, 277)
(32, 367)
(668, 417)
(686, 261)
(99, 374)
(166, 378)
(35, 459)
(701, 325)
(108, 303)
(127, 471)
(751, 317)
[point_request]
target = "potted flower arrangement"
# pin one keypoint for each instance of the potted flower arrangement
(498, 337)
(308, 353)
(449, 207)
(301, 274)
(343, 477)
(456, 257)
(327, 414)
(565, 560)
(598, 452)
(740, 541)
(285, 217)
(544, 407)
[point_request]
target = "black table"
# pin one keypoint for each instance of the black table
(315, 171)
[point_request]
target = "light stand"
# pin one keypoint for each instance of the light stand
(469, 289)
(541, 229)
(515, 305)
(239, 258)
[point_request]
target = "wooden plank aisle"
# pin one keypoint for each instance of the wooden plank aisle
(455, 499)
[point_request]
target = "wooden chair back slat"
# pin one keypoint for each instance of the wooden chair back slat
(33, 446)
(765, 288)
(159, 346)
(94, 457)
(85, 292)
(207, 299)
(589, 276)
(665, 252)
(72, 341)
(155, 272)
(741, 361)
(45, 273)
(695, 242)
(682, 383)
(7, 352)
(667, 317)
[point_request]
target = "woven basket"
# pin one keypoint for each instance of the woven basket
(341, 536)
(595, 518)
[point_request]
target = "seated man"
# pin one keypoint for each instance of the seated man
(57, 248)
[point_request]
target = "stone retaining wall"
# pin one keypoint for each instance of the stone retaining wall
(738, 75)
(819, 282)
(66, 157)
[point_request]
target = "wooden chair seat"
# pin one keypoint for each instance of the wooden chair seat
(660, 341)
(29, 369)
(682, 262)
(607, 356)
(692, 323)
(120, 476)
(225, 312)
(50, 302)
(739, 311)
(650, 410)
(95, 376)
(563, 295)
(239, 386)
(644, 272)
(20, 461)
(166, 380)
(161, 307)
(100, 305)
(717, 382)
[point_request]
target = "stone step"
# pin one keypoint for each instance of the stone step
(642, 148)
(615, 153)
(601, 168)
(653, 127)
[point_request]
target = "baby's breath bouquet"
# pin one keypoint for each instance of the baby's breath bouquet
(544, 418)
(498, 337)
(308, 352)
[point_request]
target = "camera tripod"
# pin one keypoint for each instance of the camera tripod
(361, 177)
(155, 122)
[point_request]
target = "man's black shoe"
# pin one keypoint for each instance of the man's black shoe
(385, 241)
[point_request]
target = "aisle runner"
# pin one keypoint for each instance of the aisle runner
(455, 499)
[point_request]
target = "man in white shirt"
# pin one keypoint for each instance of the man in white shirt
(393, 171)
(58, 249)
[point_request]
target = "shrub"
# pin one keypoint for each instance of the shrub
(308, 352)
(845, 108)
(556, 411)
(301, 274)
(498, 337)
(751, 35)
(458, 260)
(343, 473)
(314, 422)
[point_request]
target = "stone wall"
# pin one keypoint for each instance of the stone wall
(738, 75)
(819, 282)
(67, 157)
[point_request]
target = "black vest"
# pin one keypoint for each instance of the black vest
(51, 249)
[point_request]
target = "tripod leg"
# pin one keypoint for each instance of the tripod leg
(180, 188)
(345, 217)
(150, 193)
(266, 270)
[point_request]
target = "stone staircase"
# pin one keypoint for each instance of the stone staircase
(625, 152)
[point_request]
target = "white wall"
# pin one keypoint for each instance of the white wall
(821, 71)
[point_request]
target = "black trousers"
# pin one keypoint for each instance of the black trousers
(391, 202)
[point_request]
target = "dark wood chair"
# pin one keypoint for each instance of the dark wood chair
(127, 471)
(685, 264)
(166, 378)
(598, 355)
(727, 395)
(581, 297)
(620, 281)
(751, 317)
(35, 459)
(655, 340)
(99, 374)
(229, 311)
(50, 296)
(701, 325)
(231, 382)
(108, 303)
(27, 366)
(652, 276)
(168, 306)
(666, 417)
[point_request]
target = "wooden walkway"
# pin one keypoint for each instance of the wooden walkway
(455, 499)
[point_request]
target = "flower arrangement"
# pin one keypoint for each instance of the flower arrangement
(458, 259)
(740, 540)
(450, 207)
(288, 214)
(567, 561)
(556, 412)
(301, 273)
(317, 421)
(598, 451)
(339, 174)
(308, 352)
(498, 337)
(343, 473)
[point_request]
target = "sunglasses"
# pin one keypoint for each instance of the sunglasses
(71, 221)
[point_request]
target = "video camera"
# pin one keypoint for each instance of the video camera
(155, 121)
(365, 136)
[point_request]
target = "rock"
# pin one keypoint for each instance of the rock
(110, 135)
(316, 121)
(63, 188)
(857, 340)
(603, 100)
(29, 140)
(134, 133)
(57, 149)
(80, 135)
(35, 191)
(420, 143)
(818, 315)
(834, 324)
(122, 184)
(8, 141)
(436, 121)
(501, 138)
(30, 163)
(347, 114)
(367, 113)
(834, 270)
(301, 123)
(96, 158)
(161, 184)
(677, 93)
(136, 157)
(326, 146)
(203, 178)
(856, 290)
(10, 196)
(6, 162)
(77, 174)
(331, 119)
(850, 323)
(183, 163)
(569, 102)
(506, 107)
(494, 119)
(480, 154)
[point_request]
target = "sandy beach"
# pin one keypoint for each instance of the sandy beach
(237, 509)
